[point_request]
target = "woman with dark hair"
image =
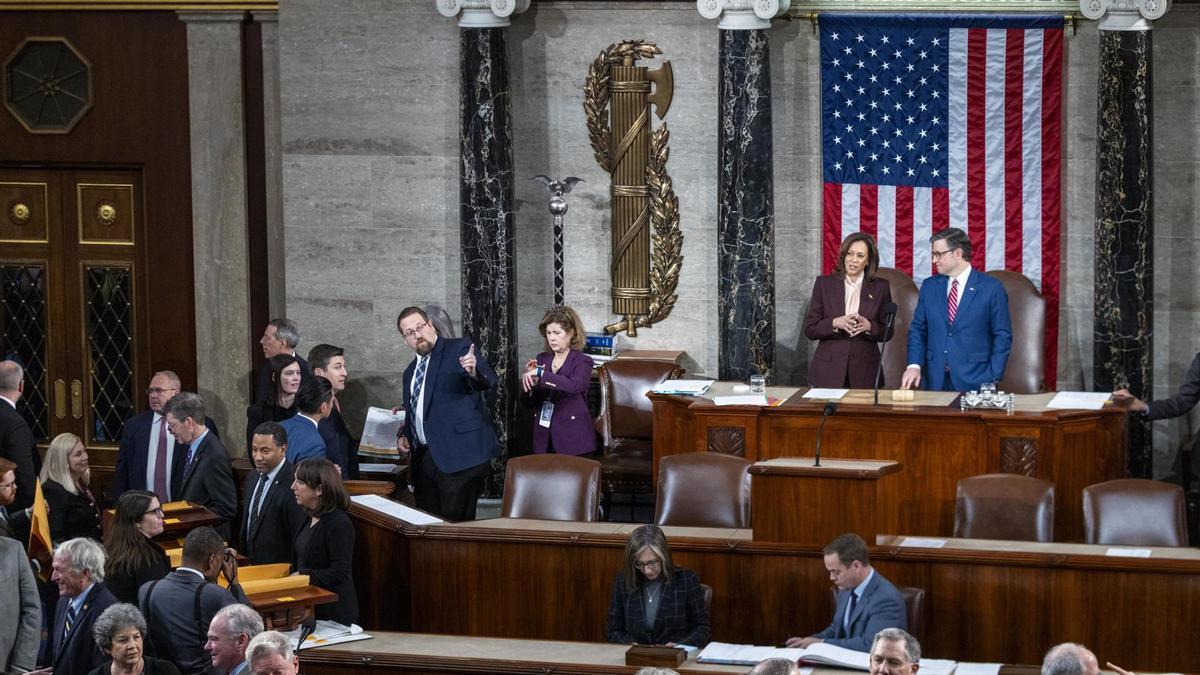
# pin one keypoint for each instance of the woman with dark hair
(280, 401)
(324, 548)
(65, 477)
(132, 557)
(556, 384)
(653, 601)
(846, 316)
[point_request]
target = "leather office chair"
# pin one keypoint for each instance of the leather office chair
(1004, 506)
(1134, 512)
(626, 422)
(914, 607)
(703, 489)
(895, 351)
(1026, 369)
(552, 487)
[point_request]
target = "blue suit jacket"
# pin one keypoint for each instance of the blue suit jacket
(303, 439)
(881, 606)
(457, 425)
(978, 343)
(130, 473)
(78, 653)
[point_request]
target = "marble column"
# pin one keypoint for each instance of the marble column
(219, 219)
(1124, 281)
(745, 189)
(273, 165)
(486, 201)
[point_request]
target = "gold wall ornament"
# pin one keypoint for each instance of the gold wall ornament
(106, 213)
(20, 213)
(647, 243)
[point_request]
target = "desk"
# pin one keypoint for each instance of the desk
(284, 610)
(935, 444)
(987, 601)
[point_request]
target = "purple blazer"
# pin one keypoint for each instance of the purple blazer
(837, 354)
(571, 425)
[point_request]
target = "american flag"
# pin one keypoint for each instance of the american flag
(931, 122)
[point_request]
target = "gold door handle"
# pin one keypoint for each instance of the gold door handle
(60, 399)
(76, 399)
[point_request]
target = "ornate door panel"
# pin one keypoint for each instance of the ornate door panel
(71, 309)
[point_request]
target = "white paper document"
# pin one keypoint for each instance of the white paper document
(685, 387)
(380, 431)
(749, 655)
(750, 399)
(327, 633)
(380, 468)
(396, 510)
(938, 666)
(922, 542)
(1078, 400)
(825, 394)
(972, 668)
(1128, 553)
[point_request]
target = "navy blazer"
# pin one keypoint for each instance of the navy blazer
(1183, 401)
(975, 346)
(457, 424)
(269, 539)
(131, 455)
(682, 617)
(79, 653)
(881, 606)
(340, 448)
(208, 481)
(571, 426)
(17, 446)
(303, 439)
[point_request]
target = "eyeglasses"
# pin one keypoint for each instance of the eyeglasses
(159, 391)
(154, 512)
(646, 564)
(5, 486)
(937, 255)
(172, 425)
(416, 330)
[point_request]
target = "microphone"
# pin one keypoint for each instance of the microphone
(889, 322)
(830, 408)
(307, 627)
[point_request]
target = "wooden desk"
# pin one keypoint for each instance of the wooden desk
(987, 601)
(936, 445)
(284, 610)
(795, 501)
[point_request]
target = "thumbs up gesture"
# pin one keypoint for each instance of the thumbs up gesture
(467, 361)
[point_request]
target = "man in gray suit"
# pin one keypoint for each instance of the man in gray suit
(866, 602)
(20, 632)
(180, 607)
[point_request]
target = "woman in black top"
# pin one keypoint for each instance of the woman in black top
(324, 547)
(120, 632)
(133, 558)
(65, 476)
(653, 601)
(280, 401)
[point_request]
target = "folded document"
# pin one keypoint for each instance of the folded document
(818, 654)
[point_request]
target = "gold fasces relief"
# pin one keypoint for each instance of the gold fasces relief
(647, 243)
(20, 213)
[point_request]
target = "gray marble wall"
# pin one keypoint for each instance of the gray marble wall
(370, 142)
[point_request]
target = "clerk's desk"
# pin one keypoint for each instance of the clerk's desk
(935, 442)
(999, 602)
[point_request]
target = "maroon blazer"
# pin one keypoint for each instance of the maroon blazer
(570, 426)
(837, 353)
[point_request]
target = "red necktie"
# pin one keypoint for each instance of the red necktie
(952, 301)
(160, 463)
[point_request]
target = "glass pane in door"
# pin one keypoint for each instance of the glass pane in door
(23, 338)
(108, 305)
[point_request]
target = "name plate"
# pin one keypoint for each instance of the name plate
(655, 655)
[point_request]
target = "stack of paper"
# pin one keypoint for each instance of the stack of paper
(818, 654)
(327, 633)
(379, 432)
(685, 387)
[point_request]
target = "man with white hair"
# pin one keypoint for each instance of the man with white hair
(229, 634)
(79, 573)
(1069, 658)
(270, 653)
(16, 438)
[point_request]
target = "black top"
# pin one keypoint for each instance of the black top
(71, 515)
(265, 411)
(325, 552)
(151, 666)
(125, 583)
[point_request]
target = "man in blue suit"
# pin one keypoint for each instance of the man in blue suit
(866, 602)
(960, 335)
(314, 400)
(447, 426)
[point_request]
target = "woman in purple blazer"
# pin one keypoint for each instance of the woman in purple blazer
(556, 384)
(845, 315)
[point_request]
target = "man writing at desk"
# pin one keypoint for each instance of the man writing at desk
(866, 602)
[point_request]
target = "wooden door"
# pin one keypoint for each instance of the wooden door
(72, 307)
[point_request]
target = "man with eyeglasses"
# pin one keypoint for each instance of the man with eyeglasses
(201, 473)
(147, 454)
(447, 426)
(960, 336)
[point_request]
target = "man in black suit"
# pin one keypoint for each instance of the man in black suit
(147, 455)
(280, 337)
(180, 607)
(79, 572)
(329, 361)
(271, 517)
(16, 439)
(202, 473)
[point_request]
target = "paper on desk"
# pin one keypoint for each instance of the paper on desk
(685, 387)
(396, 510)
(1128, 552)
(328, 633)
(825, 394)
(1078, 400)
(379, 468)
(972, 668)
(380, 430)
(938, 666)
(750, 399)
(922, 542)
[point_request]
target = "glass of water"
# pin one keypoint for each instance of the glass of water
(758, 384)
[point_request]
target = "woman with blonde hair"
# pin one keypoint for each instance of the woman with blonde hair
(555, 385)
(65, 477)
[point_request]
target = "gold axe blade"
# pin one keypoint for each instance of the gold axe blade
(664, 88)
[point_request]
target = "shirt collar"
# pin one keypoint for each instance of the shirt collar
(78, 600)
(274, 472)
(9, 401)
(198, 440)
(962, 277)
(314, 422)
(197, 572)
(862, 586)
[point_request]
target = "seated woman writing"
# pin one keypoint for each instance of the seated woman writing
(653, 601)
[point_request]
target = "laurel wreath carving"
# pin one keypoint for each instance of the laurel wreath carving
(666, 239)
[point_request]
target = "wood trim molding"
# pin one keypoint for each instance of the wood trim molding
(138, 5)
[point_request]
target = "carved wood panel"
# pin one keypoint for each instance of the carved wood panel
(727, 441)
(1019, 454)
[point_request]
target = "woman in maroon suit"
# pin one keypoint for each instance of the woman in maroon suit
(845, 315)
(556, 384)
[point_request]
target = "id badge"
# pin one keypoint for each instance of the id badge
(546, 414)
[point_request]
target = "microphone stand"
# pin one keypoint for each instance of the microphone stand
(830, 408)
(889, 320)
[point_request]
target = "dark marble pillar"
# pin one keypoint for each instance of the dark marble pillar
(1124, 305)
(486, 216)
(745, 208)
